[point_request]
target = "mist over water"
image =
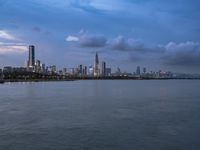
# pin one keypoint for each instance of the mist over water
(100, 115)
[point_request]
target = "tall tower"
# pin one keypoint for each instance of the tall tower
(103, 69)
(96, 66)
(138, 70)
(31, 56)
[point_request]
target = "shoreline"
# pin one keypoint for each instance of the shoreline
(77, 79)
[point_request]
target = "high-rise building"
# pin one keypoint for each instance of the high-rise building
(108, 72)
(138, 70)
(7, 69)
(118, 70)
(103, 69)
(37, 66)
(31, 57)
(1, 74)
(85, 70)
(80, 70)
(73, 71)
(52, 69)
(43, 68)
(96, 71)
(37, 63)
(64, 71)
(144, 70)
(90, 71)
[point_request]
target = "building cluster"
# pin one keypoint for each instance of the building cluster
(97, 70)
(34, 65)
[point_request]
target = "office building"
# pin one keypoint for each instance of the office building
(37, 66)
(90, 71)
(80, 70)
(7, 69)
(52, 69)
(144, 70)
(85, 70)
(138, 70)
(31, 57)
(108, 71)
(103, 69)
(43, 68)
(96, 70)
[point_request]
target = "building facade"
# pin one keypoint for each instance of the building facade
(103, 69)
(96, 70)
(31, 57)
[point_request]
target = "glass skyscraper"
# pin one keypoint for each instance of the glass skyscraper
(96, 66)
(31, 57)
(103, 69)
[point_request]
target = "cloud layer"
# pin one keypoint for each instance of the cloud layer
(6, 36)
(71, 38)
(13, 48)
(182, 54)
(171, 54)
(121, 30)
(119, 43)
(88, 41)
(8, 47)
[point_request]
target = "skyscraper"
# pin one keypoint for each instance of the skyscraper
(138, 70)
(90, 71)
(80, 70)
(85, 71)
(31, 57)
(103, 69)
(37, 66)
(96, 66)
(43, 68)
(144, 70)
(108, 72)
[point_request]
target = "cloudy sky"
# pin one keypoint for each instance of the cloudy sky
(157, 34)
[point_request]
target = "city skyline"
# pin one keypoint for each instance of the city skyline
(35, 69)
(127, 34)
(97, 69)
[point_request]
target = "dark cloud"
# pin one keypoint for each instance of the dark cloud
(92, 41)
(131, 45)
(183, 59)
(122, 44)
(183, 54)
(119, 43)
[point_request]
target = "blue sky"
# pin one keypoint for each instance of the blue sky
(156, 34)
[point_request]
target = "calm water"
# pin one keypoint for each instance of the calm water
(100, 115)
